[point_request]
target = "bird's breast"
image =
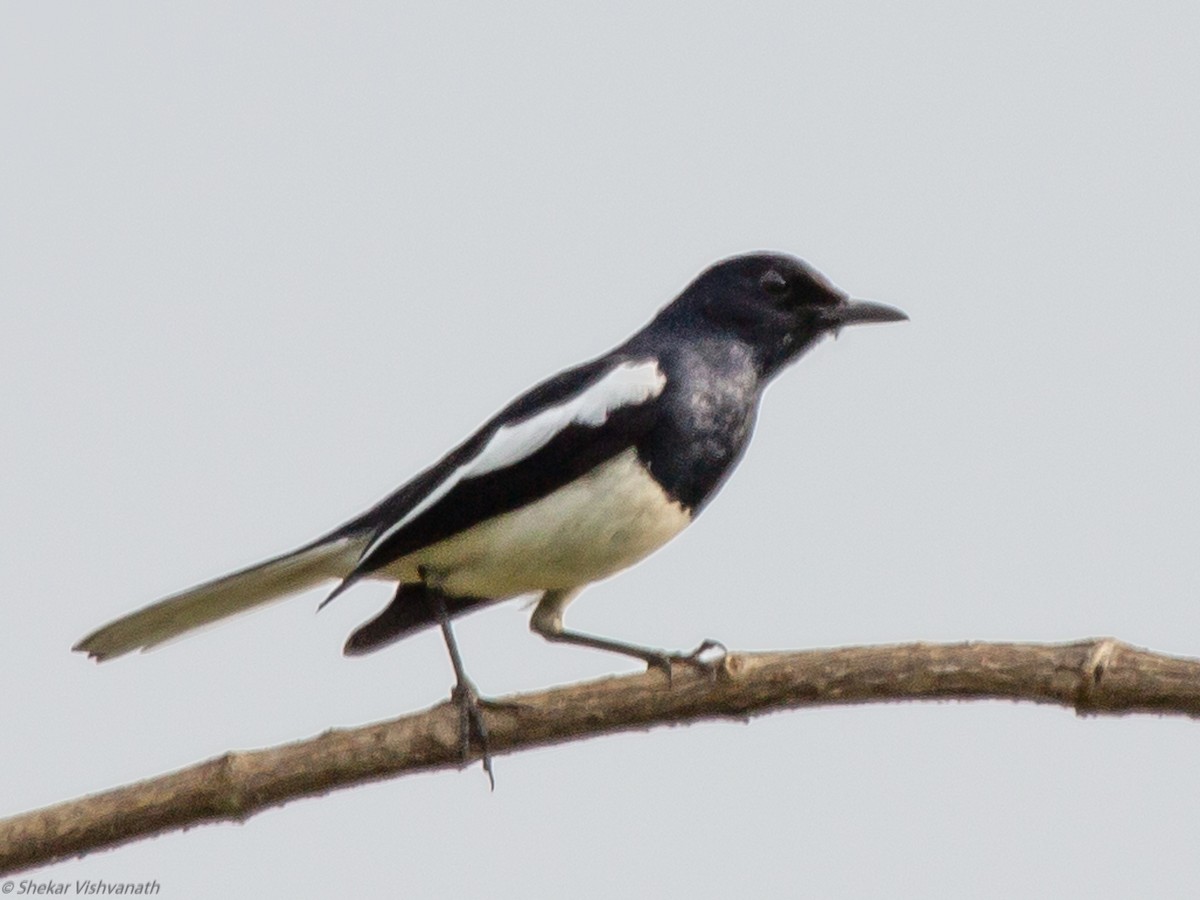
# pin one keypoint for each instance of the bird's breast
(707, 417)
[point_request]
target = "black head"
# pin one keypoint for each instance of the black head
(777, 304)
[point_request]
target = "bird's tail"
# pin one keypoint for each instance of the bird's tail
(225, 596)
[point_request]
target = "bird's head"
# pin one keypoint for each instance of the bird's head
(777, 304)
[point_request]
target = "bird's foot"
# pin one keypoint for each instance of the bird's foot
(471, 726)
(701, 659)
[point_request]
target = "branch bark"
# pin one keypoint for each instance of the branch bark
(1097, 676)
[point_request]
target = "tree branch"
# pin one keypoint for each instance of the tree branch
(1092, 677)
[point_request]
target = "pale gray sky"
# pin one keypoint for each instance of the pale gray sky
(262, 263)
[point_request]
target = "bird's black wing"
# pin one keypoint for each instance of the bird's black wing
(543, 440)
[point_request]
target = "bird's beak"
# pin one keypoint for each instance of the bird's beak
(861, 312)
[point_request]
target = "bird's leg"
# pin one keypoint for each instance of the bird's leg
(547, 620)
(470, 722)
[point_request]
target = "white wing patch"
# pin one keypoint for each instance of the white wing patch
(628, 384)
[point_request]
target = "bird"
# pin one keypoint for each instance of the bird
(580, 477)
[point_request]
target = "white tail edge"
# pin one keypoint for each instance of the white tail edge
(226, 596)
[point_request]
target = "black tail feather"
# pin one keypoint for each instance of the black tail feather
(410, 610)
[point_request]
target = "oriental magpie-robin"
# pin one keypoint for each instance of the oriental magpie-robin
(580, 477)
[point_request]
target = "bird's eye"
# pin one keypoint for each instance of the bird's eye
(773, 283)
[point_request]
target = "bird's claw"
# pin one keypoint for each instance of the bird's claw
(697, 659)
(471, 725)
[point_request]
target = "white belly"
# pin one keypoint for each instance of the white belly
(602, 522)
